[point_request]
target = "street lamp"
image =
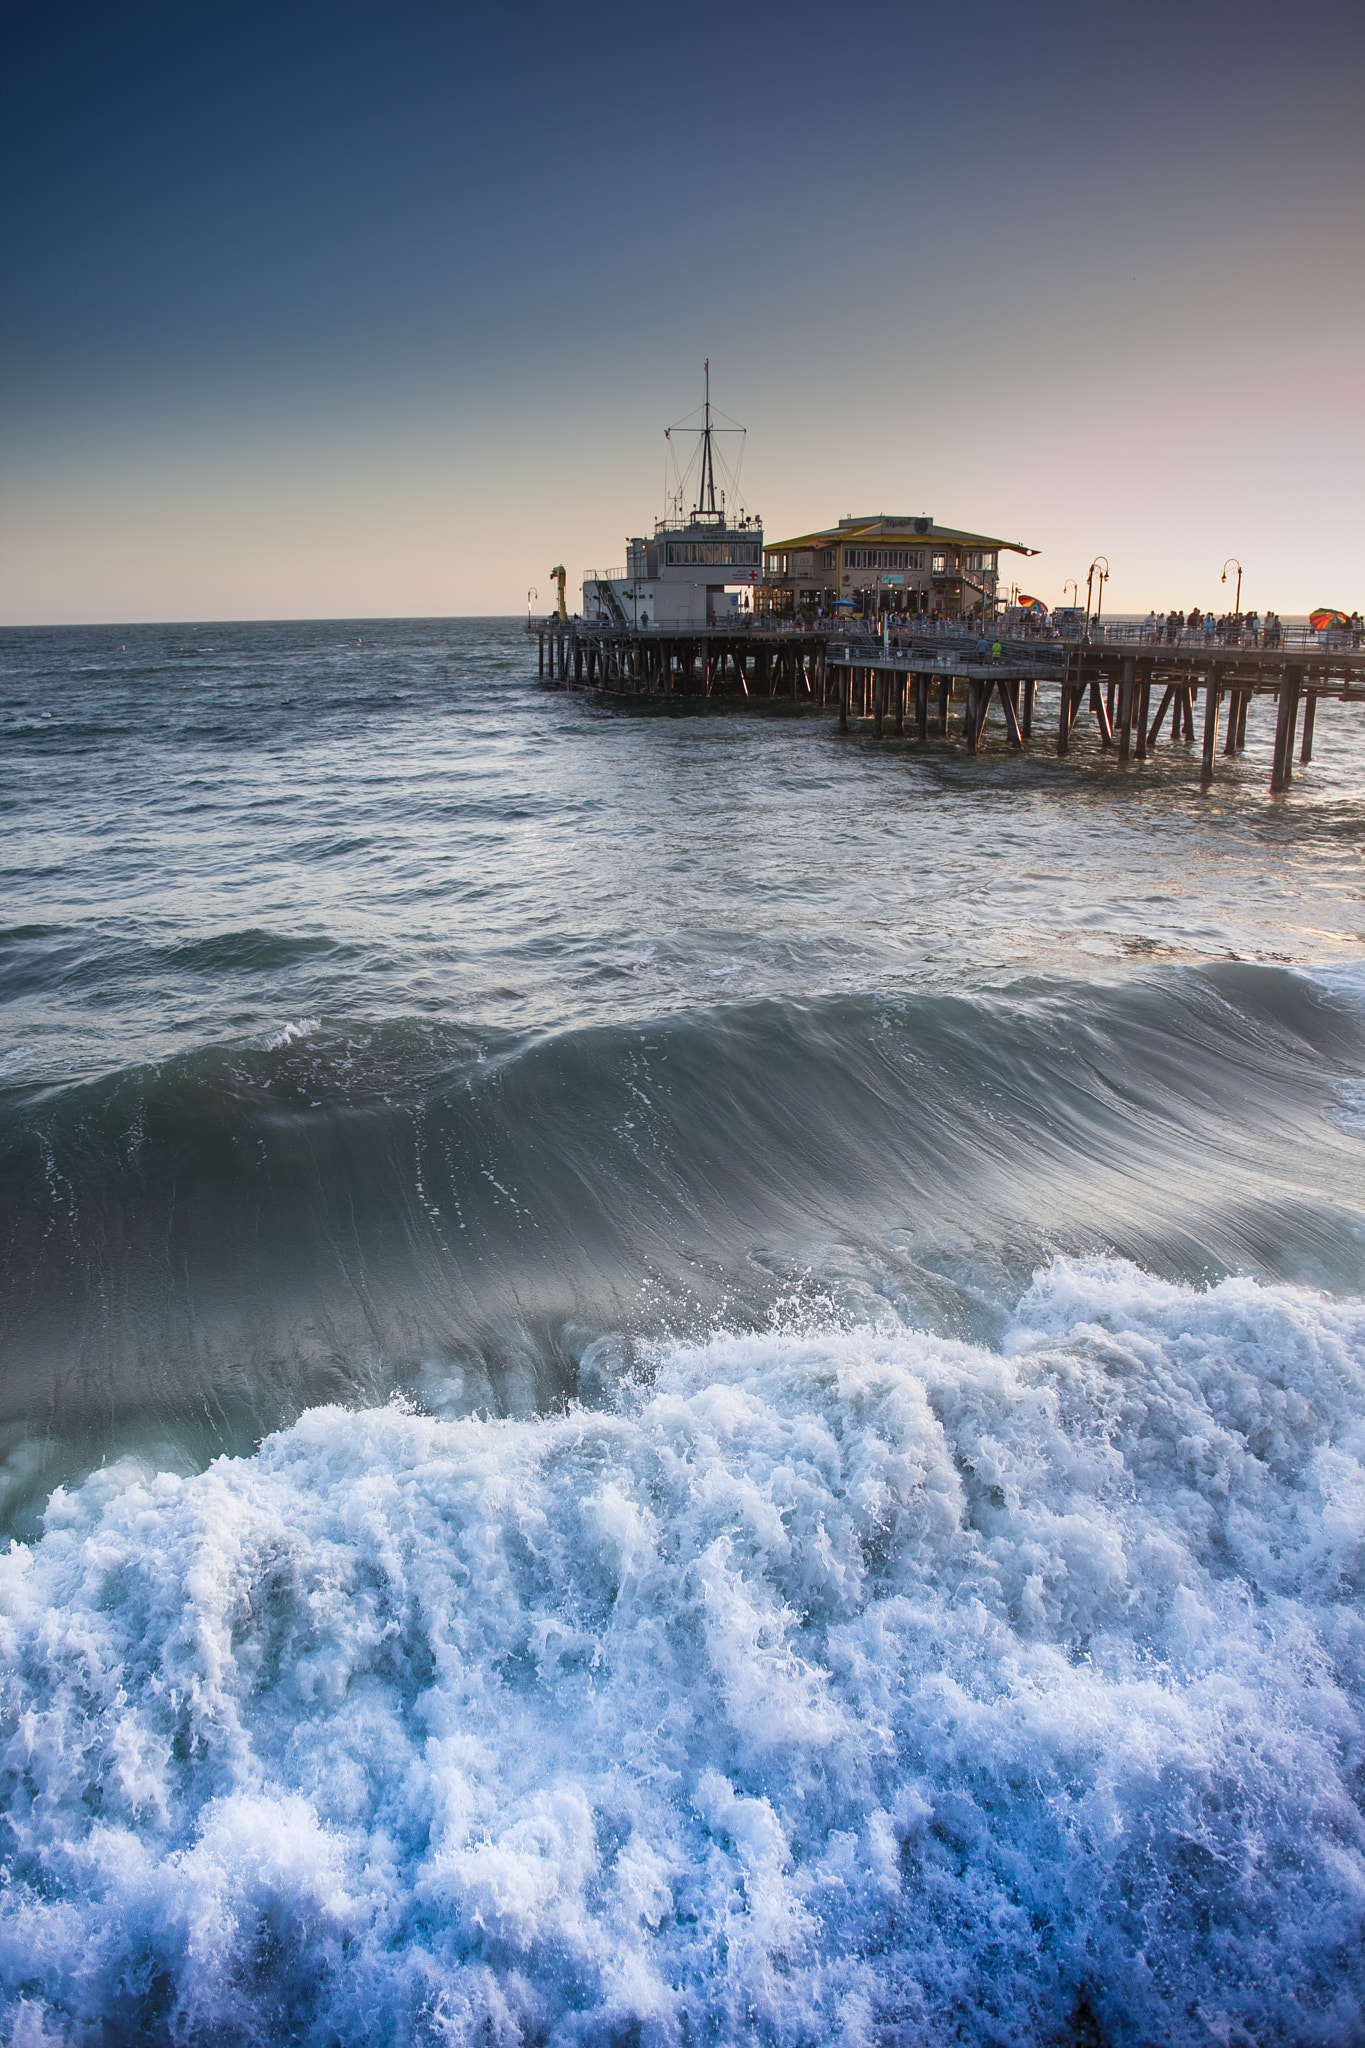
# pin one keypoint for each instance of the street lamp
(1070, 585)
(1090, 584)
(531, 596)
(1233, 563)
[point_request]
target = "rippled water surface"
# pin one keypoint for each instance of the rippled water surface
(702, 1382)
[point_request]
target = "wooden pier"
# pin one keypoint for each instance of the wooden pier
(892, 686)
(698, 662)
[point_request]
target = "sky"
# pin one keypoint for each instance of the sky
(381, 310)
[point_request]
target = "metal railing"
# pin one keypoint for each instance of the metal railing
(1127, 633)
(1110, 633)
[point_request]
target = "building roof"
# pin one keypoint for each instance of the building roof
(881, 526)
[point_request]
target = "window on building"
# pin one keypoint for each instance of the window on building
(940, 564)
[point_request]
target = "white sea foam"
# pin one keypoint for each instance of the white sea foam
(291, 1034)
(1350, 1109)
(851, 1686)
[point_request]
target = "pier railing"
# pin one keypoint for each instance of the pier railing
(957, 633)
(1121, 633)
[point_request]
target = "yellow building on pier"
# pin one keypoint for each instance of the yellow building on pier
(884, 563)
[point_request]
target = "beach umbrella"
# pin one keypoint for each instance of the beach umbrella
(1032, 604)
(1324, 617)
(845, 604)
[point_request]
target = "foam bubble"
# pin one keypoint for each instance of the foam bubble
(841, 1685)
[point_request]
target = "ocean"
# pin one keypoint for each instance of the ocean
(664, 1379)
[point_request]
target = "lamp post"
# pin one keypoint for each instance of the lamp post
(1090, 584)
(1233, 563)
(1070, 585)
(531, 597)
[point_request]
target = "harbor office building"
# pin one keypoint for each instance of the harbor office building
(879, 563)
(700, 571)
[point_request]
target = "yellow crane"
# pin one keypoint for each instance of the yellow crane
(559, 577)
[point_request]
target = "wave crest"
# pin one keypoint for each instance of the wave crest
(833, 1685)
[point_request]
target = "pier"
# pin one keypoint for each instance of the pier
(920, 685)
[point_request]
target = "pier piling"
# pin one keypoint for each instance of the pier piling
(872, 681)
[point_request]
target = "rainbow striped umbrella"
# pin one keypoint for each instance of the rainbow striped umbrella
(1032, 604)
(1325, 617)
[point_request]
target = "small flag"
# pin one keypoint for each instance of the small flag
(668, 433)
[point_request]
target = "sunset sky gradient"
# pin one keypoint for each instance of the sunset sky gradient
(351, 310)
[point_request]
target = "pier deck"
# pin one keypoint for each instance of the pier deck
(889, 683)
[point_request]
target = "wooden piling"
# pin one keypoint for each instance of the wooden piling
(1282, 769)
(1008, 695)
(1212, 694)
(1126, 708)
(1310, 714)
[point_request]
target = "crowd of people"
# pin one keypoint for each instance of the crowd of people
(1233, 629)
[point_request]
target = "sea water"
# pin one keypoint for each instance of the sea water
(666, 1379)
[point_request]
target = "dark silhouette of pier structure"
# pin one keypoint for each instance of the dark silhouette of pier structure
(941, 686)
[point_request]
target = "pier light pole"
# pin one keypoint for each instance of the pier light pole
(532, 596)
(1090, 584)
(1233, 563)
(1070, 585)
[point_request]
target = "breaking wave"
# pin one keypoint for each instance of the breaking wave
(810, 1685)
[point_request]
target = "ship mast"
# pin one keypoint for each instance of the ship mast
(706, 488)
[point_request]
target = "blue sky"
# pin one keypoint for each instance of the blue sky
(319, 310)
